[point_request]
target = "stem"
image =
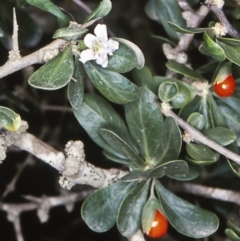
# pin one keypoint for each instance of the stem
(197, 135)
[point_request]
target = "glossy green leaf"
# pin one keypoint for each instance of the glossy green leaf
(99, 210)
(211, 48)
(230, 41)
(163, 12)
(201, 153)
(181, 29)
(48, 6)
(193, 172)
(123, 59)
(56, 73)
(116, 159)
(186, 218)
(144, 117)
(9, 119)
(114, 86)
(230, 110)
(198, 104)
(185, 94)
(140, 60)
(122, 147)
(233, 226)
(143, 78)
(169, 168)
(231, 51)
(161, 40)
(149, 212)
(96, 113)
(234, 167)
(221, 135)
(171, 142)
(196, 120)
(76, 86)
(70, 34)
(217, 116)
(167, 91)
(182, 69)
(101, 11)
(130, 211)
(232, 235)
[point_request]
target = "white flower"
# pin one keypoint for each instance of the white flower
(99, 46)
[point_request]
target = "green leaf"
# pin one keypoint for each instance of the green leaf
(196, 120)
(166, 11)
(198, 104)
(115, 87)
(181, 29)
(69, 34)
(115, 158)
(182, 69)
(201, 153)
(96, 113)
(232, 235)
(211, 48)
(144, 117)
(56, 73)
(231, 51)
(143, 78)
(48, 6)
(99, 210)
(76, 86)
(171, 142)
(149, 212)
(230, 41)
(221, 135)
(123, 59)
(169, 168)
(130, 211)
(193, 172)
(188, 219)
(140, 60)
(232, 226)
(216, 115)
(230, 110)
(9, 119)
(101, 11)
(167, 91)
(122, 147)
(161, 40)
(185, 94)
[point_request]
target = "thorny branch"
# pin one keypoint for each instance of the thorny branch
(197, 135)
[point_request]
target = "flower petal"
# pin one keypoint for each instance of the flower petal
(89, 40)
(87, 55)
(111, 46)
(101, 32)
(102, 59)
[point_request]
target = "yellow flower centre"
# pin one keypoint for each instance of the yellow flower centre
(97, 46)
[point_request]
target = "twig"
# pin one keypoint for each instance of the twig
(197, 135)
(193, 20)
(223, 20)
(208, 192)
(35, 58)
(71, 164)
(14, 54)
